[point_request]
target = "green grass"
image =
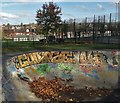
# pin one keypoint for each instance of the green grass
(10, 47)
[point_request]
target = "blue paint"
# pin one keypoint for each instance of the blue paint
(66, 76)
(93, 75)
(111, 68)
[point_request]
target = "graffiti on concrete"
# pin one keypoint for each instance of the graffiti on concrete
(113, 62)
(65, 67)
(31, 72)
(90, 71)
(113, 68)
(44, 57)
(66, 63)
(43, 69)
(95, 58)
(66, 71)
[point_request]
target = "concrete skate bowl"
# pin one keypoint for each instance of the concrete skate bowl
(64, 75)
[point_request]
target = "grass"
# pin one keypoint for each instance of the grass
(11, 47)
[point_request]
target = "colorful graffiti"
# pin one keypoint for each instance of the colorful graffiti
(113, 68)
(66, 71)
(43, 69)
(67, 63)
(31, 72)
(90, 71)
(63, 66)
(94, 58)
(44, 57)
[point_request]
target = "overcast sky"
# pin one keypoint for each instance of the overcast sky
(17, 11)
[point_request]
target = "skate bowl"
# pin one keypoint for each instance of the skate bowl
(91, 74)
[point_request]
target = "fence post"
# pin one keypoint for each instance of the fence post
(64, 28)
(79, 30)
(93, 30)
(85, 25)
(98, 24)
(109, 29)
(74, 31)
(104, 25)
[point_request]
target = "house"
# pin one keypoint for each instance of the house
(11, 31)
(28, 38)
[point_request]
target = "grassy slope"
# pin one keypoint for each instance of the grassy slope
(9, 47)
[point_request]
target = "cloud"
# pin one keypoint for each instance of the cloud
(68, 15)
(8, 15)
(5, 18)
(25, 0)
(32, 0)
(80, 7)
(6, 4)
(25, 14)
(60, 0)
(100, 7)
(112, 4)
(83, 7)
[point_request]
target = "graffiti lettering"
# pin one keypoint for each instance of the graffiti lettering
(95, 59)
(44, 57)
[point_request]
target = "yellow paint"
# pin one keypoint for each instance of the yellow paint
(60, 56)
(23, 61)
(31, 72)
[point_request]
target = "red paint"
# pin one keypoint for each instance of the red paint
(114, 52)
(84, 69)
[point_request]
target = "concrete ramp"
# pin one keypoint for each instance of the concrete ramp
(96, 69)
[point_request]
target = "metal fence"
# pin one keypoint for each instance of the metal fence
(99, 29)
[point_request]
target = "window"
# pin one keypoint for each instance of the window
(26, 39)
(21, 39)
(15, 39)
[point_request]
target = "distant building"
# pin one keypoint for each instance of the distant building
(28, 38)
(21, 32)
